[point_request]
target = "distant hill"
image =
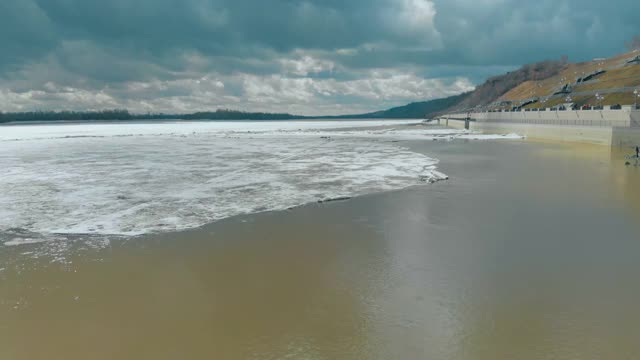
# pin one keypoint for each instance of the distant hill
(421, 109)
(416, 110)
(497, 86)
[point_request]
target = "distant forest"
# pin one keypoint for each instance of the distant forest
(124, 115)
(415, 110)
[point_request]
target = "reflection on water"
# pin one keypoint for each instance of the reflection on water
(613, 174)
(530, 251)
(278, 294)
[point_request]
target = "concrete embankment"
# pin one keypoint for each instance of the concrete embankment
(605, 127)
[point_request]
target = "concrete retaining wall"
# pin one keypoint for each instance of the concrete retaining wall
(605, 127)
(626, 137)
(635, 119)
(585, 134)
(607, 118)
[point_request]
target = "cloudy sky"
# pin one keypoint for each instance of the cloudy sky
(302, 57)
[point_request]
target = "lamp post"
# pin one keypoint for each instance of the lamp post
(599, 99)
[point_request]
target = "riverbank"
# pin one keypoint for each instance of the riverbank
(529, 250)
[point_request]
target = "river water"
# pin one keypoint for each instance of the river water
(528, 251)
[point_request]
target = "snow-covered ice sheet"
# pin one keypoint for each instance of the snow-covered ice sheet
(115, 129)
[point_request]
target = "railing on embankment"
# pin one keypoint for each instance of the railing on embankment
(625, 117)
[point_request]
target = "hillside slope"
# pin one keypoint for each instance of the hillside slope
(614, 78)
(497, 86)
(420, 109)
(416, 110)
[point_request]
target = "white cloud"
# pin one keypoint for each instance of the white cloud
(373, 90)
(418, 14)
(45, 100)
(306, 65)
(415, 19)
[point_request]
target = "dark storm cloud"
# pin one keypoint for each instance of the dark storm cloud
(507, 32)
(213, 26)
(25, 33)
(241, 53)
(159, 30)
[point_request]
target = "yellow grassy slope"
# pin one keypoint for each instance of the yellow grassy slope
(617, 75)
(628, 76)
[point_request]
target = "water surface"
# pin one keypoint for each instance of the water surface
(529, 251)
